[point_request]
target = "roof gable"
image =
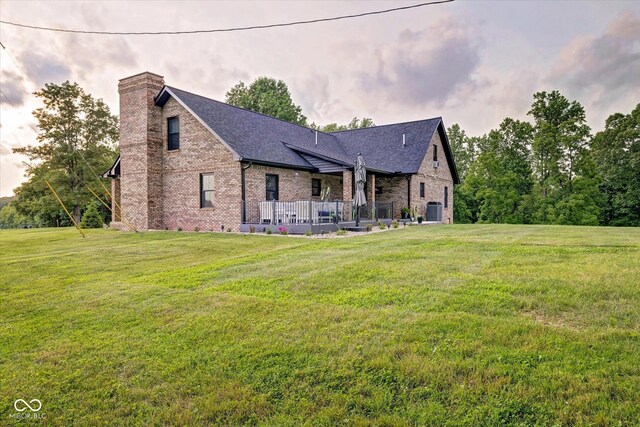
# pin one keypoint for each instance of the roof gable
(255, 136)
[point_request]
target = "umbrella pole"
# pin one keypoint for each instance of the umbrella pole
(357, 216)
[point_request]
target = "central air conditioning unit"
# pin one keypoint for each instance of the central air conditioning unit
(436, 163)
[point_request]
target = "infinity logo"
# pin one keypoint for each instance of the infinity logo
(26, 405)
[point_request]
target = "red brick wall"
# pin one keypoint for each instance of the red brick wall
(161, 188)
(140, 150)
(435, 179)
(293, 184)
(115, 200)
(347, 185)
(394, 189)
(200, 152)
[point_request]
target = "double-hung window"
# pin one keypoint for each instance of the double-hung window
(206, 190)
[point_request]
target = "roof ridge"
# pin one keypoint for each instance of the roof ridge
(299, 125)
(250, 111)
(388, 124)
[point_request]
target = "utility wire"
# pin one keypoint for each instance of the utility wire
(7, 98)
(224, 30)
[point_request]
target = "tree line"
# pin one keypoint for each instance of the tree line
(552, 170)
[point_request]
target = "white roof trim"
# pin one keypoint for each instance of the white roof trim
(108, 173)
(236, 155)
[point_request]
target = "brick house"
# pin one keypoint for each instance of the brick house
(190, 162)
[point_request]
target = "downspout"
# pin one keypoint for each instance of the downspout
(242, 169)
(409, 192)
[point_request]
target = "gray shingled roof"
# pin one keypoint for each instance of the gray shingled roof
(264, 139)
(382, 148)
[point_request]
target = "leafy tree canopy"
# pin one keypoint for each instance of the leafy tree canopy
(355, 123)
(77, 133)
(272, 97)
(463, 148)
(267, 96)
(616, 153)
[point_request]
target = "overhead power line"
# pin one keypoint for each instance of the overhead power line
(224, 30)
(7, 98)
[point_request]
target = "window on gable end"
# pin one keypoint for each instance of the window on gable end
(173, 133)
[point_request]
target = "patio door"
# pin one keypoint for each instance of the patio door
(272, 187)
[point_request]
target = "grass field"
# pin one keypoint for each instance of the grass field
(451, 325)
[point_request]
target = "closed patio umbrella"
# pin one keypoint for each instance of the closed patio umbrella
(360, 199)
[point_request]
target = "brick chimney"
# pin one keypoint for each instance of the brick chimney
(141, 150)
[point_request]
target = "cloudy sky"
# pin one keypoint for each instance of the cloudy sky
(471, 62)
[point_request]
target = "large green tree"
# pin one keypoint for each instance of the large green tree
(616, 153)
(500, 178)
(77, 133)
(464, 148)
(566, 180)
(267, 96)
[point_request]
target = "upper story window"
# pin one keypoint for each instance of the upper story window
(316, 186)
(272, 187)
(435, 153)
(422, 190)
(206, 190)
(173, 133)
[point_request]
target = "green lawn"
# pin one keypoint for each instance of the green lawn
(449, 325)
